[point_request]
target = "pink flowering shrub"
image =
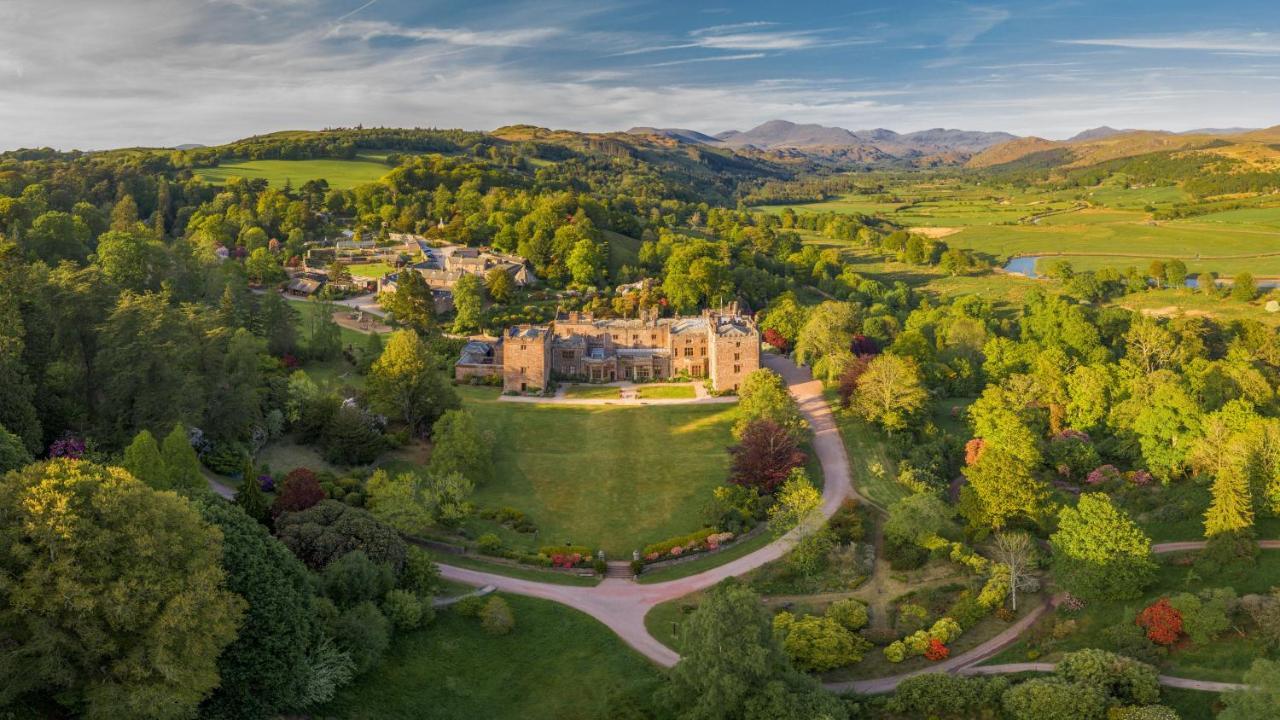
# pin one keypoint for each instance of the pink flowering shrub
(1141, 478)
(1101, 474)
(68, 446)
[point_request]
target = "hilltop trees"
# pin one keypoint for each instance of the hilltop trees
(82, 607)
(1099, 552)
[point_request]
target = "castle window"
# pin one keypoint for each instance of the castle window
(737, 356)
(737, 368)
(521, 347)
(704, 351)
(738, 344)
(688, 352)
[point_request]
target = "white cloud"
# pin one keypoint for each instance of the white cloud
(1256, 43)
(517, 37)
(713, 58)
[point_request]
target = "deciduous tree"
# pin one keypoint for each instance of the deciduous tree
(86, 591)
(1099, 552)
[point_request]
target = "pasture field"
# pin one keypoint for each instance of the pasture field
(557, 664)
(609, 476)
(1122, 244)
(623, 250)
(338, 173)
(1115, 230)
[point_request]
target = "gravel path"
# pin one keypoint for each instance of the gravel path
(1169, 680)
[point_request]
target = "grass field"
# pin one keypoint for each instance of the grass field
(1224, 659)
(623, 250)
(558, 664)
(666, 392)
(340, 174)
(1109, 219)
(592, 392)
(609, 476)
(874, 468)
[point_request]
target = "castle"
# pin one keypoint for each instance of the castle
(722, 346)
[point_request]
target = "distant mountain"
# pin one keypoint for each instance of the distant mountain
(1098, 133)
(690, 136)
(1253, 147)
(1220, 131)
(879, 145)
(189, 146)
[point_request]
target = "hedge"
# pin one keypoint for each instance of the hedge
(682, 541)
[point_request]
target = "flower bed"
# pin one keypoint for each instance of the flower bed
(704, 540)
(919, 642)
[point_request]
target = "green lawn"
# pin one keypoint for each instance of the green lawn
(340, 174)
(1224, 659)
(371, 270)
(623, 250)
(667, 392)
(867, 453)
(592, 392)
(558, 664)
(610, 476)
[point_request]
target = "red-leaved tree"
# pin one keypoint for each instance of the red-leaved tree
(973, 450)
(775, 338)
(1162, 622)
(849, 378)
(298, 491)
(936, 650)
(764, 456)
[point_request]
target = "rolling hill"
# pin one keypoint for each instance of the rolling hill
(1258, 148)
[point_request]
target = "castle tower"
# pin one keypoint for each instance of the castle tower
(526, 359)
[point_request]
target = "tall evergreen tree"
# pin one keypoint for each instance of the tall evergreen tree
(180, 461)
(1232, 506)
(142, 460)
(250, 497)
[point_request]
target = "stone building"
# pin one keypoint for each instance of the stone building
(722, 346)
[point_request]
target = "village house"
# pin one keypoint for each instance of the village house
(443, 266)
(721, 346)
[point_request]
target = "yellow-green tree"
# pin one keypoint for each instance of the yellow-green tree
(113, 593)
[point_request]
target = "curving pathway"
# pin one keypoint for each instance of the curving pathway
(622, 604)
(1168, 680)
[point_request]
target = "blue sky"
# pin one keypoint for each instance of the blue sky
(104, 73)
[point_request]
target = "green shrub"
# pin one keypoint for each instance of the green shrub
(469, 606)
(363, 631)
(403, 609)
(496, 617)
(849, 613)
(489, 543)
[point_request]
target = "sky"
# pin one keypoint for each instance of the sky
(94, 74)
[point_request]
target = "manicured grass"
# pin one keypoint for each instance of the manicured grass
(609, 476)
(1224, 659)
(592, 392)
(666, 392)
(338, 173)
(867, 452)
(558, 664)
(371, 270)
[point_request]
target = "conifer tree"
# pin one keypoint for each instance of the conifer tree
(250, 497)
(180, 461)
(142, 460)
(1232, 506)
